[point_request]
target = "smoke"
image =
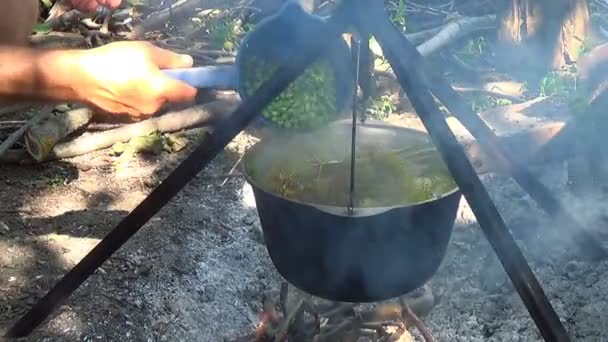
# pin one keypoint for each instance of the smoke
(518, 210)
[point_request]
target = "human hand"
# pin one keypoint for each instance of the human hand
(88, 6)
(126, 78)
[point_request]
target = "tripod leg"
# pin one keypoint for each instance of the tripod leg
(409, 55)
(467, 180)
(225, 131)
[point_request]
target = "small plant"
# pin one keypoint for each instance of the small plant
(554, 85)
(473, 49)
(398, 15)
(56, 181)
(482, 102)
(381, 107)
(565, 85)
(587, 45)
(224, 35)
(46, 3)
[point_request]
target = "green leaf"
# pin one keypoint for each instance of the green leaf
(47, 3)
(42, 28)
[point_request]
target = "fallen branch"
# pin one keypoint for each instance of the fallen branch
(168, 123)
(430, 40)
(42, 137)
(424, 35)
(13, 138)
(189, 118)
(482, 91)
(58, 40)
(454, 30)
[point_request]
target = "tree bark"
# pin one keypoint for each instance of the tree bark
(536, 36)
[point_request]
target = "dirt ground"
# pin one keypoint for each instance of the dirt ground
(198, 270)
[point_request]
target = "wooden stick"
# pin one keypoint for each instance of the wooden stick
(408, 314)
(42, 137)
(433, 39)
(58, 40)
(284, 294)
(172, 122)
(8, 143)
(283, 328)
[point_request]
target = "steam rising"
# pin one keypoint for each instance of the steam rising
(379, 252)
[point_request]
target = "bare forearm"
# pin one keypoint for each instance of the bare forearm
(28, 74)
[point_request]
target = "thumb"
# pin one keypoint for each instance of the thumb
(177, 91)
(166, 59)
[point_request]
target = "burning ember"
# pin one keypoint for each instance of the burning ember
(295, 316)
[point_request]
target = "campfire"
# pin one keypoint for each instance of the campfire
(292, 315)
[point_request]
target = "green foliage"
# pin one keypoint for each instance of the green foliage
(56, 181)
(47, 3)
(554, 84)
(473, 49)
(483, 102)
(397, 13)
(42, 28)
(224, 34)
(381, 107)
(565, 85)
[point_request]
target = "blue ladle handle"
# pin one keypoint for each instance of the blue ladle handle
(223, 77)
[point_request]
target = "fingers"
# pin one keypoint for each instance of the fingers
(85, 6)
(178, 91)
(166, 59)
(90, 6)
(111, 4)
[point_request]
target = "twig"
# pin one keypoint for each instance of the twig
(332, 334)
(283, 294)
(157, 20)
(95, 127)
(12, 123)
(12, 139)
(227, 178)
(283, 328)
(339, 310)
(409, 315)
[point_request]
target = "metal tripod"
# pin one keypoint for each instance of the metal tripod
(370, 19)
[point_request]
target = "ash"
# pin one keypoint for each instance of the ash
(476, 300)
(199, 270)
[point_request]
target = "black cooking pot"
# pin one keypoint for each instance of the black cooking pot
(371, 255)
